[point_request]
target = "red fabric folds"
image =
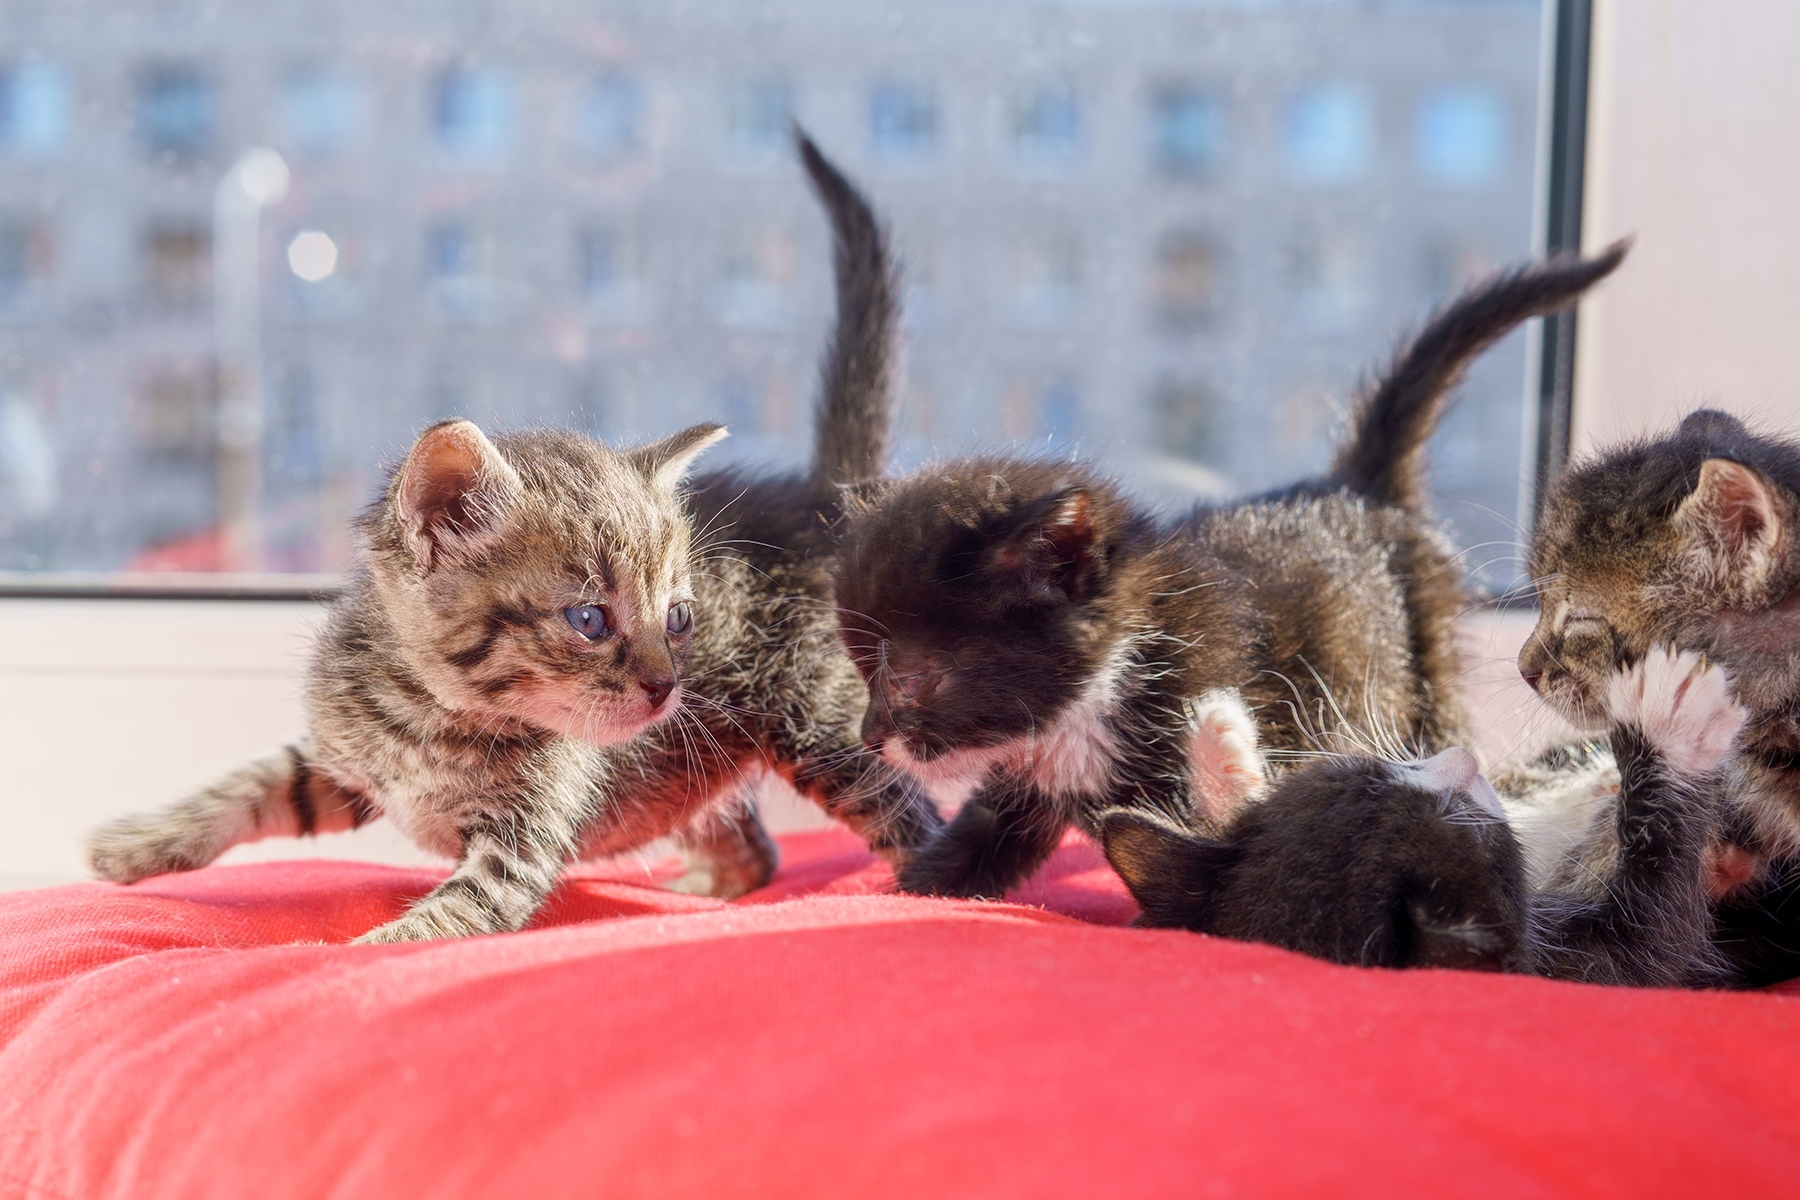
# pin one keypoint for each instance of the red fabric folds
(209, 1035)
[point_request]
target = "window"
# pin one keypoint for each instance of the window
(473, 113)
(321, 111)
(176, 412)
(1187, 280)
(1045, 279)
(1188, 422)
(1188, 130)
(458, 262)
(28, 468)
(1143, 228)
(1045, 124)
(757, 113)
(1331, 286)
(1460, 136)
(34, 108)
(178, 265)
(27, 258)
(1059, 409)
(1328, 134)
(175, 109)
(612, 116)
(754, 277)
(903, 119)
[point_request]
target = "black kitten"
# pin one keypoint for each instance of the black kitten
(1022, 626)
(1377, 863)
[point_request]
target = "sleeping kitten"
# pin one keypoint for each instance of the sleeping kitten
(532, 663)
(1398, 864)
(1022, 626)
(1692, 538)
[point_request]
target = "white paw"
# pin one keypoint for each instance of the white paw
(1226, 767)
(1682, 705)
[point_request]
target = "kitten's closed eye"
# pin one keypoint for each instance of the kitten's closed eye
(589, 620)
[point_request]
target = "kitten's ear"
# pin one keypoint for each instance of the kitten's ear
(1054, 546)
(1225, 766)
(453, 490)
(1733, 524)
(665, 463)
(1169, 871)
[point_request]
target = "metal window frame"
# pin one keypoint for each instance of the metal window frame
(1568, 57)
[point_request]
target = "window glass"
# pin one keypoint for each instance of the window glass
(34, 108)
(1188, 127)
(474, 113)
(1460, 135)
(175, 111)
(1169, 234)
(321, 111)
(1328, 133)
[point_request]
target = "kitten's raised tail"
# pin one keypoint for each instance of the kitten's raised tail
(1384, 455)
(856, 404)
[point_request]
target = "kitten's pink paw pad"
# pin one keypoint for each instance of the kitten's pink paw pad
(1227, 768)
(1682, 704)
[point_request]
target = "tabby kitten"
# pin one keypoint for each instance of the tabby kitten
(1024, 627)
(1400, 864)
(506, 675)
(1692, 538)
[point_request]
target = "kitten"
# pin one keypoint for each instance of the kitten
(1023, 626)
(1397, 864)
(533, 663)
(1692, 538)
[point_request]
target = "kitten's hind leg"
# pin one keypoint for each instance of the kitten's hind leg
(728, 851)
(282, 795)
(1004, 832)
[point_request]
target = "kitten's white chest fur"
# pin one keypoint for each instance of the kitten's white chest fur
(1073, 754)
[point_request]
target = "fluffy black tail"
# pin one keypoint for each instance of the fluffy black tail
(856, 405)
(1384, 455)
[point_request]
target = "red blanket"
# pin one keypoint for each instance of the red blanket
(207, 1035)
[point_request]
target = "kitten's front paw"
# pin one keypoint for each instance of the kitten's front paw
(1682, 705)
(415, 926)
(132, 848)
(1225, 765)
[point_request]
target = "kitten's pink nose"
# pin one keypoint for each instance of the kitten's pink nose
(657, 690)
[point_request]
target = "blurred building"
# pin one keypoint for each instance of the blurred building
(1170, 235)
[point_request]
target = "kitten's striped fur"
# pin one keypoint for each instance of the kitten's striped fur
(449, 692)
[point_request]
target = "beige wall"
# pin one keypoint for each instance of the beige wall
(1695, 111)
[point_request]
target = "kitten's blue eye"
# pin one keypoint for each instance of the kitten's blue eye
(681, 618)
(589, 620)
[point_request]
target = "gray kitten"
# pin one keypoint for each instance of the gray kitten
(536, 659)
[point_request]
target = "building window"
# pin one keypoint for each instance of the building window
(178, 265)
(1459, 136)
(903, 119)
(295, 447)
(1045, 123)
(1330, 278)
(457, 268)
(472, 113)
(612, 116)
(321, 111)
(1187, 280)
(1059, 410)
(1044, 276)
(611, 272)
(27, 259)
(34, 108)
(757, 113)
(176, 413)
(1188, 130)
(1328, 134)
(1188, 422)
(175, 112)
(754, 278)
